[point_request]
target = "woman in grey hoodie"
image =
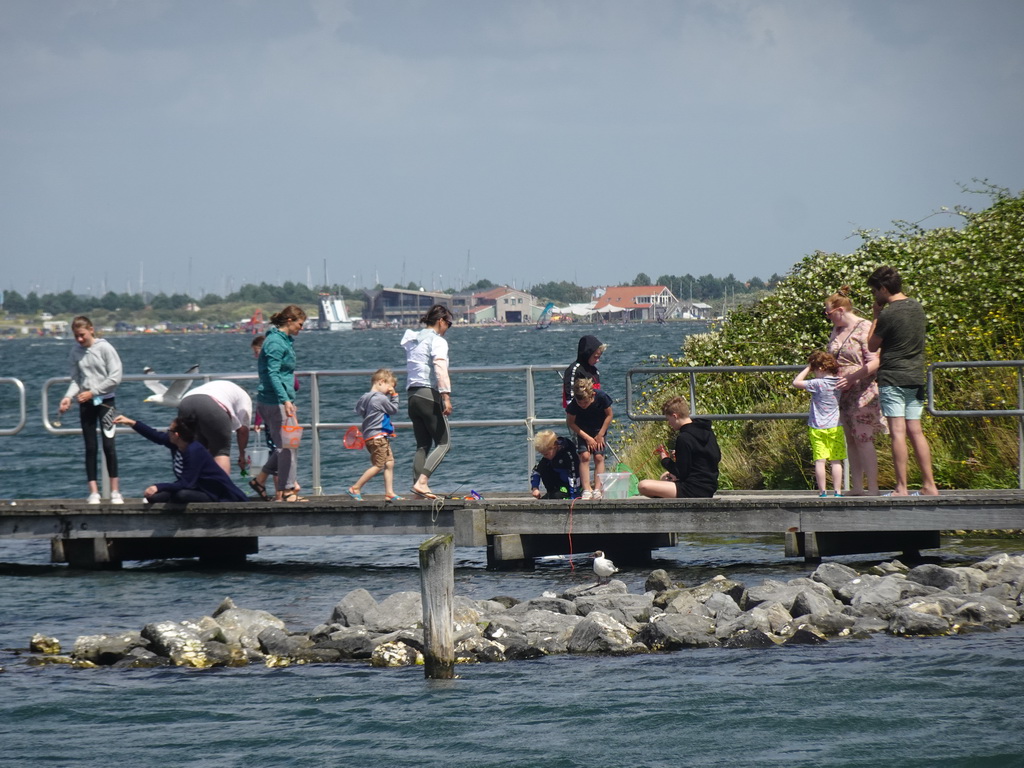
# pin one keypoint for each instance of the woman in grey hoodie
(95, 374)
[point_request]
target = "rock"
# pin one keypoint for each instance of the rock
(141, 658)
(809, 601)
(411, 636)
(719, 585)
(888, 569)
(599, 633)
(223, 655)
(962, 580)
(402, 609)
(768, 591)
(771, 618)
(671, 631)
(613, 587)
(350, 642)
(550, 632)
(630, 610)
(552, 604)
(491, 607)
(722, 607)
(508, 602)
(317, 656)
(878, 598)
(518, 648)
(242, 626)
(846, 592)
(828, 624)
(806, 635)
(834, 575)
(180, 644)
(908, 622)
(276, 642)
(478, 649)
(105, 650)
(987, 611)
(395, 654)
(685, 603)
(750, 638)
(658, 581)
(351, 610)
(43, 644)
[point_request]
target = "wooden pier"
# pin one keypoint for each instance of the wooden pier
(514, 528)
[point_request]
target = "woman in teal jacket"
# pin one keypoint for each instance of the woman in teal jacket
(275, 398)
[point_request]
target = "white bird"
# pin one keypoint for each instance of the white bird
(603, 567)
(167, 395)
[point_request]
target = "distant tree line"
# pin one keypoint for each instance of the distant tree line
(705, 288)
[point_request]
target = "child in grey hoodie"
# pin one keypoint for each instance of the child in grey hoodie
(376, 407)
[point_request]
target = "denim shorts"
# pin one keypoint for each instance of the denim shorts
(906, 402)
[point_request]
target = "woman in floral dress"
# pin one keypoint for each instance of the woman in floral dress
(859, 410)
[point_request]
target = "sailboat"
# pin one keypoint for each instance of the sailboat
(545, 317)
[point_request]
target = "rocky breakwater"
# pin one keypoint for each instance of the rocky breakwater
(834, 602)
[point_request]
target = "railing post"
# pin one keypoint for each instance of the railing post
(531, 414)
(437, 591)
(314, 397)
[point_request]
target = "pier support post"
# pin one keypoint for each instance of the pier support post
(437, 589)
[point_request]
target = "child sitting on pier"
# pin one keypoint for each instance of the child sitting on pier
(376, 407)
(827, 440)
(198, 477)
(692, 469)
(589, 415)
(558, 468)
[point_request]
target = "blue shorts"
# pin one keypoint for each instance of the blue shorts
(827, 444)
(901, 402)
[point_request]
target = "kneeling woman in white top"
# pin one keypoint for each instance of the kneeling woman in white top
(429, 393)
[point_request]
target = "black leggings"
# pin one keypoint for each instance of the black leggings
(429, 425)
(90, 416)
(183, 496)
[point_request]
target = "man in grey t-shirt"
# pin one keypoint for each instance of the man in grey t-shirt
(899, 332)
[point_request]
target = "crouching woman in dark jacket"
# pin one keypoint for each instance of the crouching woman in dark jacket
(693, 470)
(198, 478)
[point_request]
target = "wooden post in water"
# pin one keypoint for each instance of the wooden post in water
(437, 589)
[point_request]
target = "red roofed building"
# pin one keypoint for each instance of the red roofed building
(638, 302)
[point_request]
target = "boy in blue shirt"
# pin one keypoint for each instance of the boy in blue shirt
(376, 407)
(826, 435)
(558, 468)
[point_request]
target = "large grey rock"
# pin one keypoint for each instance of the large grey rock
(350, 642)
(630, 610)
(352, 608)
(395, 654)
(810, 601)
(105, 650)
(599, 633)
(478, 649)
(834, 575)
(685, 603)
(552, 604)
(771, 618)
(613, 587)
(722, 607)
(547, 631)
(402, 609)
(671, 631)
(180, 644)
(908, 622)
(40, 643)
(242, 626)
(986, 610)
(719, 585)
(276, 642)
(832, 623)
(962, 580)
(878, 598)
(658, 581)
(750, 638)
(805, 635)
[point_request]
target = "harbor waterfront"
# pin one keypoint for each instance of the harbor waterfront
(922, 702)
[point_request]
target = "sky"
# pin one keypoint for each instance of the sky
(194, 146)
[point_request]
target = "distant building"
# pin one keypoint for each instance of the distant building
(402, 306)
(501, 305)
(637, 302)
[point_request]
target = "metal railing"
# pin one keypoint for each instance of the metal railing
(22, 407)
(317, 427)
(691, 373)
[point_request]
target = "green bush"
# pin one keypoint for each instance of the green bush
(970, 280)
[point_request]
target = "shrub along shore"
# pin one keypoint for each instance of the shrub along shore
(835, 602)
(969, 279)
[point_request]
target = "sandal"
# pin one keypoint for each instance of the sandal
(292, 497)
(396, 497)
(357, 495)
(423, 494)
(260, 489)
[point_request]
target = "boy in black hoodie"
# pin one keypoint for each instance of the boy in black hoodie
(693, 470)
(588, 353)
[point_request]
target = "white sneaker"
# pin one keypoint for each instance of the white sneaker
(94, 498)
(598, 493)
(116, 497)
(587, 495)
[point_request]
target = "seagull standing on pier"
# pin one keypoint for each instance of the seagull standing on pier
(603, 567)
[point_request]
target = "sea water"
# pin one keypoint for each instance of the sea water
(953, 701)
